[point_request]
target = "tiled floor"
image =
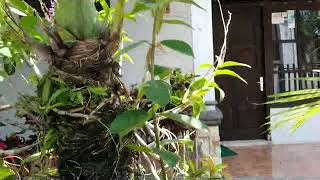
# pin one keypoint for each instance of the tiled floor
(275, 162)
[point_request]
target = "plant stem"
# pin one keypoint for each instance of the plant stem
(153, 45)
(151, 70)
(156, 131)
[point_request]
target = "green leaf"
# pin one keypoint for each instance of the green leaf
(310, 113)
(169, 158)
(6, 52)
(128, 121)
(221, 92)
(186, 120)
(150, 3)
(177, 22)
(20, 7)
(228, 72)
(233, 63)
(179, 46)
(295, 98)
(56, 94)
(29, 25)
(298, 92)
(127, 57)
(158, 91)
(205, 66)
(129, 47)
(98, 91)
(139, 7)
(50, 140)
(198, 104)
(198, 84)
(140, 148)
(53, 172)
(162, 71)
(45, 88)
(6, 173)
(28, 22)
(187, 142)
(32, 158)
(190, 2)
(153, 110)
(79, 97)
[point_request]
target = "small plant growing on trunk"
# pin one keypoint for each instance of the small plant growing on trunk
(89, 124)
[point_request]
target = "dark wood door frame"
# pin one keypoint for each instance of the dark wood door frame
(258, 53)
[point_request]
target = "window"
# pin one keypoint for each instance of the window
(296, 49)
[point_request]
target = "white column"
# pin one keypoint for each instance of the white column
(202, 38)
(208, 143)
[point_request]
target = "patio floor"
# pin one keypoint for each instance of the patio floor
(275, 162)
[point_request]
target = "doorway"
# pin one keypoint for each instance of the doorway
(243, 117)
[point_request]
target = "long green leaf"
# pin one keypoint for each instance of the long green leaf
(295, 98)
(186, 120)
(56, 94)
(294, 108)
(179, 46)
(311, 112)
(293, 93)
(140, 148)
(198, 84)
(221, 92)
(177, 22)
(192, 2)
(232, 63)
(139, 7)
(187, 142)
(45, 88)
(130, 47)
(205, 66)
(98, 91)
(228, 72)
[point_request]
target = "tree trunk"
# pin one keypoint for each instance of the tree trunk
(85, 148)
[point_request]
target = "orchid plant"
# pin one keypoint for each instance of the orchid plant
(89, 125)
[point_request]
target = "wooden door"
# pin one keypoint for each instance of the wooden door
(243, 118)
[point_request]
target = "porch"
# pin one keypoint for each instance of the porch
(260, 160)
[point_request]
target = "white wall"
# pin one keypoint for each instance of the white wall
(307, 133)
(9, 92)
(141, 30)
(202, 36)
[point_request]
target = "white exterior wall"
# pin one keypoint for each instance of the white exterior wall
(142, 29)
(9, 92)
(307, 133)
(203, 39)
